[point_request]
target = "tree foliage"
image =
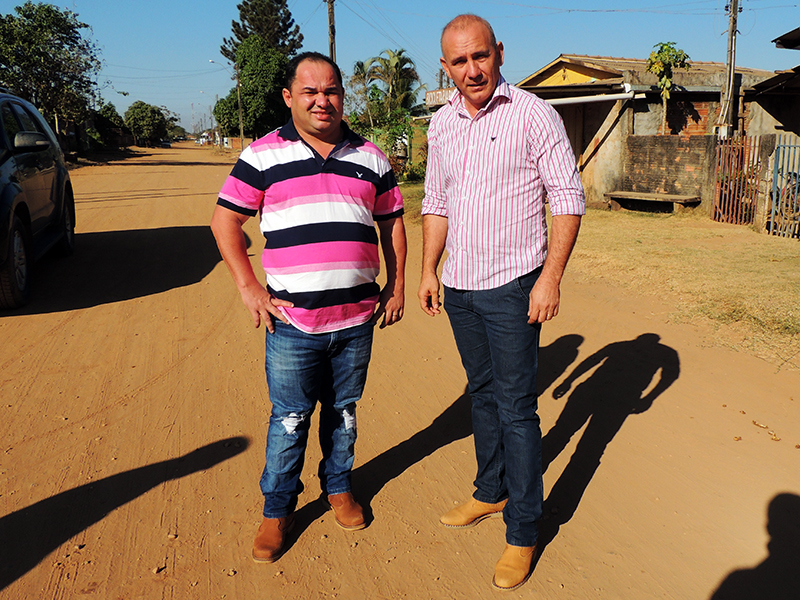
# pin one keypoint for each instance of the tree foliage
(147, 123)
(269, 19)
(45, 59)
(664, 58)
(384, 90)
(109, 112)
(262, 73)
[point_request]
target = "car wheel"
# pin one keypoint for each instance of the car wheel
(67, 244)
(15, 273)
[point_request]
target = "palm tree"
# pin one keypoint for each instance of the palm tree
(359, 83)
(398, 74)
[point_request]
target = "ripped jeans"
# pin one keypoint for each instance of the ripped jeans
(302, 369)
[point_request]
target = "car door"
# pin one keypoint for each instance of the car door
(42, 184)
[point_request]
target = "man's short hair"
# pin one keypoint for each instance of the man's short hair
(461, 22)
(294, 63)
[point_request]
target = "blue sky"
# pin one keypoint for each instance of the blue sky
(158, 50)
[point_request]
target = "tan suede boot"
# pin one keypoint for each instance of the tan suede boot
(471, 513)
(347, 512)
(270, 541)
(514, 567)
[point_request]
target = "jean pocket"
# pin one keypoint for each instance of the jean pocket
(524, 283)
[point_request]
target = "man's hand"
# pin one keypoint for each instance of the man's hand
(227, 227)
(263, 306)
(434, 236)
(390, 306)
(546, 293)
(429, 294)
(544, 301)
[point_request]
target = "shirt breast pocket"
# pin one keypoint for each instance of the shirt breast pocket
(506, 151)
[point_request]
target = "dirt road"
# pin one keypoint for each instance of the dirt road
(133, 414)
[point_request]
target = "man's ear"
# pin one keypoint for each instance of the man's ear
(445, 67)
(287, 97)
(500, 52)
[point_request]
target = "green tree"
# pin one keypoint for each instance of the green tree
(398, 77)
(226, 112)
(45, 59)
(262, 74)
(147, 123)
(176, 131)
(662, 61)
(387, 86)
(357, 96)
(270, 19)
(109, 111)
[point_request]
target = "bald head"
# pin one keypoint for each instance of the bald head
(472, 58)
(462, 22)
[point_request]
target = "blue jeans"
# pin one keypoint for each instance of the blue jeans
(499, 351)
(302, 369)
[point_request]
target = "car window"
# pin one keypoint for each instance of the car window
(10, 124)
(28, 122)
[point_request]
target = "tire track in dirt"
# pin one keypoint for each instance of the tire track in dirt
(108, 405)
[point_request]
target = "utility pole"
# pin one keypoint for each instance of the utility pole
(219, 137)
(728, 106)
(239, 97)
(331, 32)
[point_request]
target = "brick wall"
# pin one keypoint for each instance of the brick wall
(670, 164)
(691, 118)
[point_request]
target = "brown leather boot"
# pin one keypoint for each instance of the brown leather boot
(347, 512)
(471, 513)
(514, 567)
(271, 539)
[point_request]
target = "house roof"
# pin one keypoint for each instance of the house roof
(789, 40)
(783, 83)
(579, 71)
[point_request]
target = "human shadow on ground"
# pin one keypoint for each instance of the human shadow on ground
(625, 371)
(455, 423)
(28, 535)
(778, 575)
(113, 266)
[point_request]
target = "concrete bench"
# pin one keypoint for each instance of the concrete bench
(679, 201)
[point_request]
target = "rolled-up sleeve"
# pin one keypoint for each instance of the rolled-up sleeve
(555, 162)
(434, 201)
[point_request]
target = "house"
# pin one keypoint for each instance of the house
(612, 111)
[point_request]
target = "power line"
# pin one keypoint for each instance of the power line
(387, 35)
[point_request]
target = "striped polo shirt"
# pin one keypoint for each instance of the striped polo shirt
(318, 218)
(488, 175)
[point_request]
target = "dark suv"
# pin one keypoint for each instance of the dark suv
(37, 208)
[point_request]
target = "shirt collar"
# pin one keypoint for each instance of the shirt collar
(289, 132)
(503, 90)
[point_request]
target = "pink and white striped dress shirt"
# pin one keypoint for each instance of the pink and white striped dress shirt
(488, 176)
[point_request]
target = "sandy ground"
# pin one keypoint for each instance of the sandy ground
(133, 414)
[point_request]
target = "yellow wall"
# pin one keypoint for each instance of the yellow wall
(569, 74)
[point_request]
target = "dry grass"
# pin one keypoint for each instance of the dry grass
(745, 284)
(412, 200)
(728, 275)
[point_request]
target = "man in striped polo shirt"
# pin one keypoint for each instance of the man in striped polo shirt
(494, 150)
(318, 189)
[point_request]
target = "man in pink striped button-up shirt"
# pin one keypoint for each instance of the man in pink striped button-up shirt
(495, 153)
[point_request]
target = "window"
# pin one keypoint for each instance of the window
(28, 122)
(10, 124)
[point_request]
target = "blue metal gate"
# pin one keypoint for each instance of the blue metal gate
(785, 215)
